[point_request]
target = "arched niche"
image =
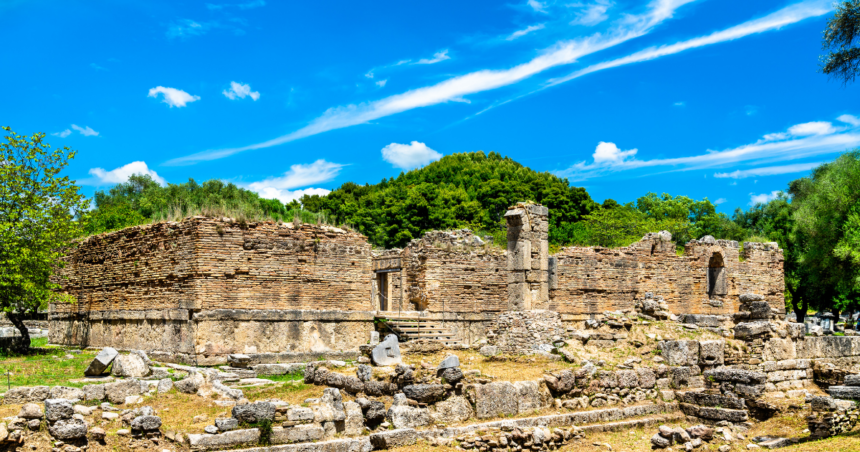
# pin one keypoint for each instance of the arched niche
(717, 281)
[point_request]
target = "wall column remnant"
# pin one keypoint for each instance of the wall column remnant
(528, 257)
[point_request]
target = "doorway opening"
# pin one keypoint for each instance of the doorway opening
(717, 284)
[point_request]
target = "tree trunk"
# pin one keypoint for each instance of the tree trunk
(24, 344)
(800, 307)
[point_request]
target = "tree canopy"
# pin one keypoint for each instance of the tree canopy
(842, 60)
(470, 190)
(37, 224)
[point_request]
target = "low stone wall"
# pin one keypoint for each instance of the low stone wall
(208, 337)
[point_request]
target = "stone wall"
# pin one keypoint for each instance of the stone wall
(706, 279)
(454, 272)
(208, 287)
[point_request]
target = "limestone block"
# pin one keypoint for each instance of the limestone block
(278, 369)
(750, 329)
(680, 353)
(852, 380)
(736, 376)
(405, 416)
(387, 353)
(627, 378)
(647, 377)
(528, 399)
(146, 423)
(779, 350)
(394, 438)
(844, 392)
(131, 365)
(519, 297)
(711, 353)
(24, 394)
(353, 425)
(31, 411)
(297, 434)
(425, 393)
(254, 412)
(758, 310)
(495, 399)
(118, 391)
(453, 410)
(66, 429)
(101, 362)
(226, 440)
(65, 392)
(57, 409)
(519, 255)
(94, 392)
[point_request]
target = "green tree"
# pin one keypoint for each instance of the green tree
(37, 224)
(825, 205)
(842, 60)
(774, 221)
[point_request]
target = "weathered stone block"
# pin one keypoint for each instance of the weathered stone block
(226, 440)
(680, 353)
(495, 399)
(394, 438)
(711, 353)
(101, 362)
(297, 434)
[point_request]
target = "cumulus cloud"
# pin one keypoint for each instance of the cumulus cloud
(437, 57)
(524, 31)
(62, 134)
(238, 90)
(85, 131)
(172, 96)
(591, 13)
(284, 187)
(768, 171)
(609, 154)
(763, 198)
(409, 156)
(121, 174)
(812, 128)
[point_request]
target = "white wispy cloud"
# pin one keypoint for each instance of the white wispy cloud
(768, 171)
(247, 5)
(799, 142)
(381, 83)
(97, 67)
(679, 104)
(439, 56)
(763, 198)
(186, 27)
(284, 187)
(525, 31)
(849, 119)
(537, 6)
(591, 13)
(774, 21)
(454, 89)
(720, 201)
(238, 90)
(121, 174)
(409, 156)
(172, 96)
(85, 131)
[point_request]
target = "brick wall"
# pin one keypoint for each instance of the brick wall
(594, 280)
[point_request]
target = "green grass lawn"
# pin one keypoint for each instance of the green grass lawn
(50, 368)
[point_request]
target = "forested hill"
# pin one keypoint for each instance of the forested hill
(461, 190)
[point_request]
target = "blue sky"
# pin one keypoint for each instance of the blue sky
(704, 98)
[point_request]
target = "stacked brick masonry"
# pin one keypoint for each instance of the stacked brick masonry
(594, 280)
(162, 287)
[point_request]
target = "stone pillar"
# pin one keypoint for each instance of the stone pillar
(528, 256)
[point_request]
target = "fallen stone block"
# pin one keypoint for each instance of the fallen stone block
(278, 369)
(101, 362)
(226, 440)
(66, 429)
(118, 391)
(387, 353)
(297, 434)
(394, 438)
(254, 412)
(132, 365)
(24, 394)
(57, 409)
(844, 392)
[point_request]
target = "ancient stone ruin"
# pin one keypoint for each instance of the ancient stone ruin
(202, 289)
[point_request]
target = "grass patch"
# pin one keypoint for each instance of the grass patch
(295, 376)
(48, 368)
